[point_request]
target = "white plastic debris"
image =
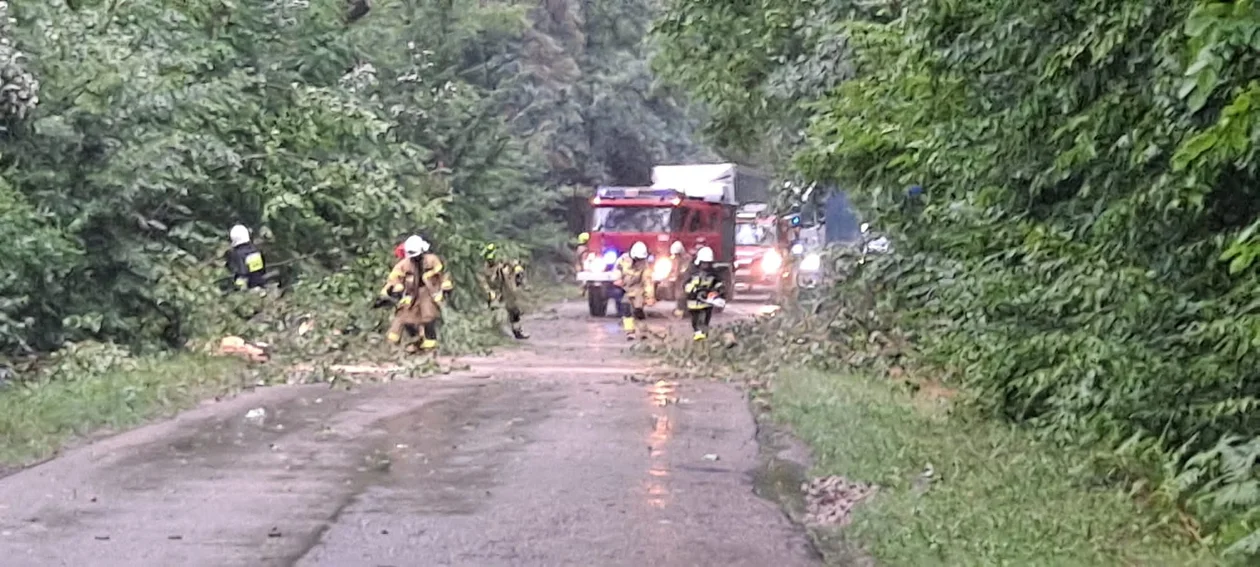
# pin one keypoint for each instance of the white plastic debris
(256, 416)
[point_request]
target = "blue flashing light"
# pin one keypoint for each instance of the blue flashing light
(795, 220)
(610, 257)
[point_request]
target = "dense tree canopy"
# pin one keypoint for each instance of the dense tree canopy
(136, 133)
(1083, 258)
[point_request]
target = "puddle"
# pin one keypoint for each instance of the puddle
(784, 471)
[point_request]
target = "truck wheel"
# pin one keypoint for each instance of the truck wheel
(596, 301)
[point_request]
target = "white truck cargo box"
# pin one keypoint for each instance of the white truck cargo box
(718, 182)
(711, 182)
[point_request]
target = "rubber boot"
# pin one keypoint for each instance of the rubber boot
(429, 344)
(627, 323)
(519, 334)
(699, 336)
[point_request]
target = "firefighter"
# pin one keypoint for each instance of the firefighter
(244, 260)
(417, 282)
(679, 269)
(583, 246)
(703, 288)
(502, 281)
(633, 289)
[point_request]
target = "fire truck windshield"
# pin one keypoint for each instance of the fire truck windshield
(632, 219)
(749, 234)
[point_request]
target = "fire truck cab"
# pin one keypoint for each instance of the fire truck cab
(657, 217)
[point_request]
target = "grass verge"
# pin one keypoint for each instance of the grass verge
(38, 418)
(999, 498)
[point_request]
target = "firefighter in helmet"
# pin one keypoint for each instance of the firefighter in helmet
(583, 246)
(579, 256)
(417, 282)
(679, 268)
(704, 291)
(244, 260)
(633, 288)
(502, 281)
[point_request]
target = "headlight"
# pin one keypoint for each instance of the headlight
(771, 262)
(593, 263)
(798, 249)
(661, 270)
(811, 263)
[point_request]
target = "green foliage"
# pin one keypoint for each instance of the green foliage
(1083, 259)
(159, 125)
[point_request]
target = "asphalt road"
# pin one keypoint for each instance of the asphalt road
(563, 452)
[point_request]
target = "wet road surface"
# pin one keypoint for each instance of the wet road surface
(563, 452)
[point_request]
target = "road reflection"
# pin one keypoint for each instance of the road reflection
(662, 394)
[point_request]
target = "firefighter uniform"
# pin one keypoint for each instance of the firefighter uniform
(502, 281)
(583, 246)
(680, 270)
(703, 285)
(634, 287)
(244, 260)
(420, 283)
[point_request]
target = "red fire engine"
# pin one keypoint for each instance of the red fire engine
(621, 216)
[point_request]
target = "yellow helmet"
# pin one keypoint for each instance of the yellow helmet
(488, 251)
(584, 238)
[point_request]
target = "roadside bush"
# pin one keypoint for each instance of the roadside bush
(1082, 261)
(135, 134)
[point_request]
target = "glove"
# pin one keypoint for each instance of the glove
(650, 301)
(493, 296)
(406, 301)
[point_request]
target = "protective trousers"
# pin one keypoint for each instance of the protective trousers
(425, 333)
(629, 308)
(700, 322)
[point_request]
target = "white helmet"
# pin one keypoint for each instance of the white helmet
(676, 248)
(414, 246)
(638, 251)
(238, 235)
(865, 228)
(704, 255)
